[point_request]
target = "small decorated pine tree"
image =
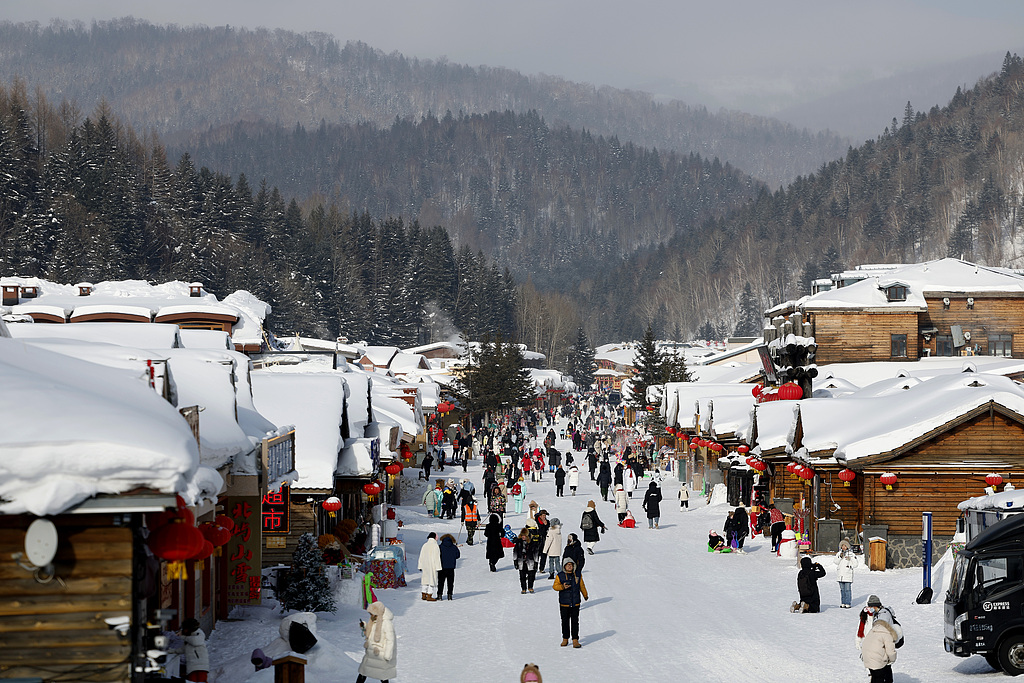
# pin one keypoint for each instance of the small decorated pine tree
(308, 589)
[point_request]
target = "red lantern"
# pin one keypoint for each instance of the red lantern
(742, 448)
(670, 430)
(756, 391)
(994, 479)
(759, 465)
(371, 489)
(717, 447)
(888, 479)
(791, 467)
(332, 505)
(807, 473)
(176, 542)
(393, 469)
(790, 391)
(225, 521)
(847, 476)
(798, 471)
(215, 533)
(204, 552)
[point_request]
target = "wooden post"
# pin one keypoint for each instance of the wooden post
(290, 668)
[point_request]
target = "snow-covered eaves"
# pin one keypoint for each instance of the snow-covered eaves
(315, 403)
(83, 430)
(137, 335)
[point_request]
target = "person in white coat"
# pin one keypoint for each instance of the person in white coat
(684, 498)
(629, 481)
(197, 657)
(573, 479)
(430, 565)
(878, 651)
(621, 502)
(845, 562)
(381, 658)
(553, 547)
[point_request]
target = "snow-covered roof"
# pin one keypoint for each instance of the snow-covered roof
(623, 357)
(729, 372)
(946, 275)
(205, 339)
(143, 312)
(457, 348)
(403, 363)
(315, 403)
(380, 355)
(1008, 499)
(681, 398)
(883, 419)
(139, 335)
(208, 382)
(728, 415)
(82, 430)
(863, 374)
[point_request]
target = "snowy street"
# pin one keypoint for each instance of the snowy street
(661, 608)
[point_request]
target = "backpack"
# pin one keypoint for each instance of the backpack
(587, 523)
(898, 643)
(516, 490)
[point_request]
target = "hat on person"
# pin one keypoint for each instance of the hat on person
(873, 601)
(568, 560)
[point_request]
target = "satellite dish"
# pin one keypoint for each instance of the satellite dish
(41, 542)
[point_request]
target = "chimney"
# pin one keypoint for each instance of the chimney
(195, 289)
(10, 294)
(29, 292)
(84, 288)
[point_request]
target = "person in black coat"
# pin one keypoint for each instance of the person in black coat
(428, 461)
(559, 482)
(604, 479)
(526, 556)
(742, 526)
(574, 551)
(807, 584)
(619, 469)
(494, 532)
(592, 461)
(590, 534)
(450, 554)
(652, 504)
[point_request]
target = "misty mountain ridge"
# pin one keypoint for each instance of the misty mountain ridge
(180, 81)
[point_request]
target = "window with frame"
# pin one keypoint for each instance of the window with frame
(944, 345)
(896, 293)
(1000, 345)
(898, 345)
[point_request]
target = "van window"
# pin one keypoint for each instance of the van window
(991, 575)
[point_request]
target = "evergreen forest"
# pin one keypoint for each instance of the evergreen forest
(87, 199)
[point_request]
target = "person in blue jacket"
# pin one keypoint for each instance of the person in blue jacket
(570, 589)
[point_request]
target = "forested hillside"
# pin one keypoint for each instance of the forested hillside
(947, 182)
(91, 200)
(183, 80)
(554, 205)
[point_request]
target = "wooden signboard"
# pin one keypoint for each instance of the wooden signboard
(244, 552)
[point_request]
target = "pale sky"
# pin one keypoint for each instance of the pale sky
(754, 55)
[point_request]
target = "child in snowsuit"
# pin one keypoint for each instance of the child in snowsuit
(519, 495)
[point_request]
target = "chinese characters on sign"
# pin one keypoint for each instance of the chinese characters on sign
(275, 512)
(243, 551)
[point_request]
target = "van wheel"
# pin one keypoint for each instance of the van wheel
(1011, 655)
(993, 660)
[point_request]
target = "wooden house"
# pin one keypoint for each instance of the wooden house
(940, 438)
(946, 307)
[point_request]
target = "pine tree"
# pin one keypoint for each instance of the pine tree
(648, 370)
(581, 362)
(751, 319)
(308, 589)
(673, 368)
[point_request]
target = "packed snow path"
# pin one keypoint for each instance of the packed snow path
(661, 608)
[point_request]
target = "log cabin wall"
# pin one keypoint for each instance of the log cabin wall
(50, 631)
(846, 497)
(990, 315)
(854, 337)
